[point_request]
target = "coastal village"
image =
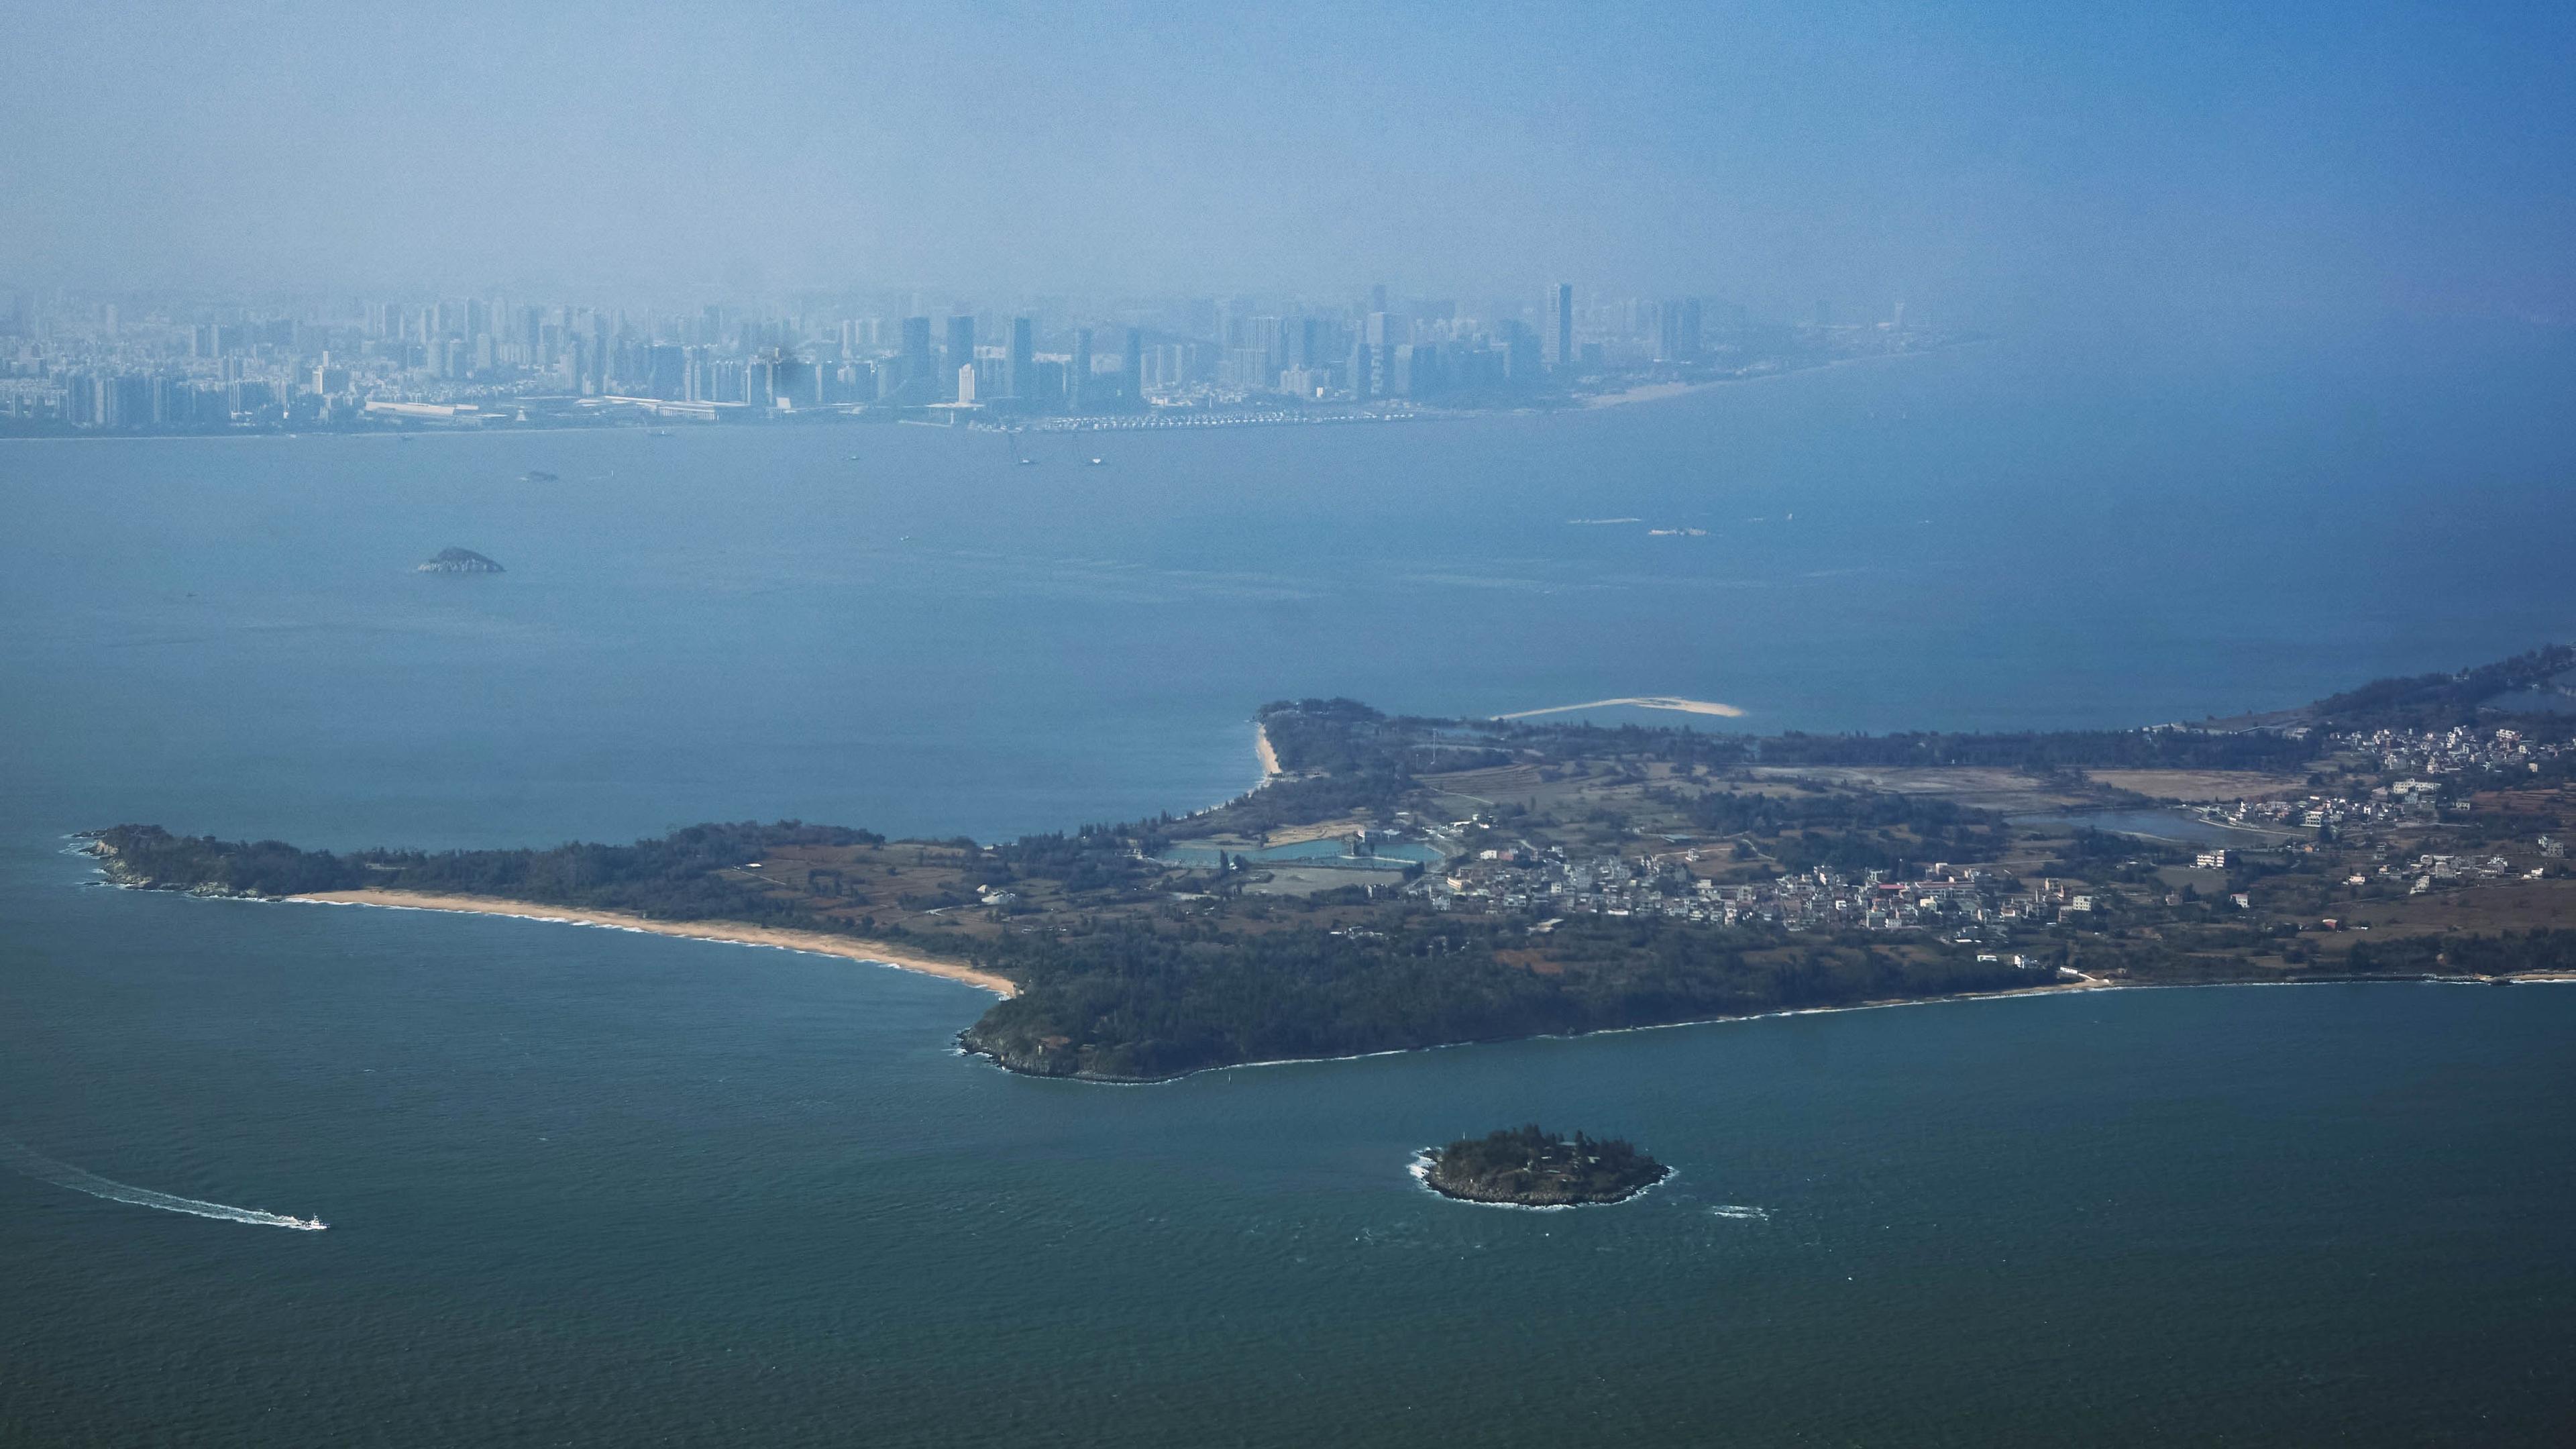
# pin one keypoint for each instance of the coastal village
(2411, 813)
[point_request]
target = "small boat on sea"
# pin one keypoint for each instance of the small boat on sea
(537, 475)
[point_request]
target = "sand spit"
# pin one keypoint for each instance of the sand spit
(816, 942)
(1648, 701)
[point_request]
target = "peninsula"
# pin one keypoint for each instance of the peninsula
(1537, 1168)
(1399, 882)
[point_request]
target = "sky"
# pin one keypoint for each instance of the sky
(1977, 159)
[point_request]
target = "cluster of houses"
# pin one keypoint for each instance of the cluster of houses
(2450, 752)
(2428, 871)
(2387, 805)
(1969, 902)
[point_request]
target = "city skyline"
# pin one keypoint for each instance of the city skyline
(84, 363)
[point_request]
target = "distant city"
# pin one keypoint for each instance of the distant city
(76, 364)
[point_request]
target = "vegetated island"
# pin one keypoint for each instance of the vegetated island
(1402, 882)
(459, 561)
(1536, 1168)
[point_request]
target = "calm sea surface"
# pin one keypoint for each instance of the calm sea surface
(594, 1187)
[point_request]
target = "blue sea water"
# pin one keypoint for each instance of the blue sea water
(594, 1187)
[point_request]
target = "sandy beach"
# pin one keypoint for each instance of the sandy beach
(817, 942)
(1269, 757)
(1646, 701)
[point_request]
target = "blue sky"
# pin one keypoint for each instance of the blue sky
(1977, 159)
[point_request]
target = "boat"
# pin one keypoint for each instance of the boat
(1028, 462)
(1094, 463)
(537, 475)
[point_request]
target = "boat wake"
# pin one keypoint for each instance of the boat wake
(22, 1158)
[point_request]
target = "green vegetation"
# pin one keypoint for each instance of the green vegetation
(1536, 1168)
(1133, 1002)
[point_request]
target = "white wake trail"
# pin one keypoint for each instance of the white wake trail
(23, 1158)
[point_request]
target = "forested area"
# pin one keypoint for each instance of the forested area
(1131, 1002)
(1534, 1166)
(672, 878)
(2439, 701)
(2457, 954)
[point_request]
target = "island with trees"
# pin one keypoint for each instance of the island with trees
(1406, 882)
(1532, 1167)
(458, 561)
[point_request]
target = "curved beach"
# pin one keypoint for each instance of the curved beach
(816, 942)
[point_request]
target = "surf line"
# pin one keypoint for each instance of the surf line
(37, 1165)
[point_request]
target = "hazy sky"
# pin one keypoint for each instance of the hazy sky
(1971, 158)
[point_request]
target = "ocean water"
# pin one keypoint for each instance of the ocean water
(594, 1187)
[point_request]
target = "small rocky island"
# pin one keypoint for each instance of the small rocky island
(459, 561)
(1535, 1168)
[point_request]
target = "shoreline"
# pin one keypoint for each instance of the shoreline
(1269, 757)
(1420, 1170)
(814, 943)
(2018, 993)
(1665, 391)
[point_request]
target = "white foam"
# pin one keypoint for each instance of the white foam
(62, 1174)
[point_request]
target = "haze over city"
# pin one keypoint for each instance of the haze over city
(1985, 161)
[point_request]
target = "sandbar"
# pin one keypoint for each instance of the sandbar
(1651, 701)
(817, 942)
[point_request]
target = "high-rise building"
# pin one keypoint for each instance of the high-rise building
(961, 346)
(1131, 370)
(1562, 335)
(1079, 394)
(1020, 383)
(966, 382)
(917, 371)
(1677, 332)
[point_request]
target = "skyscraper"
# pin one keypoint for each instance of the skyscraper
(961, 345)
(1677, 331)
(1022, 382)
(1078, 393)
(918, 383)
(1563, 333)
(1131, 369)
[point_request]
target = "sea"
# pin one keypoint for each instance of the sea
(595, 1187)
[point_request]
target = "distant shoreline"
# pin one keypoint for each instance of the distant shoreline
(811, 942)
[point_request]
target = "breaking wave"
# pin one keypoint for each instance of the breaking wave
(22, 1158)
